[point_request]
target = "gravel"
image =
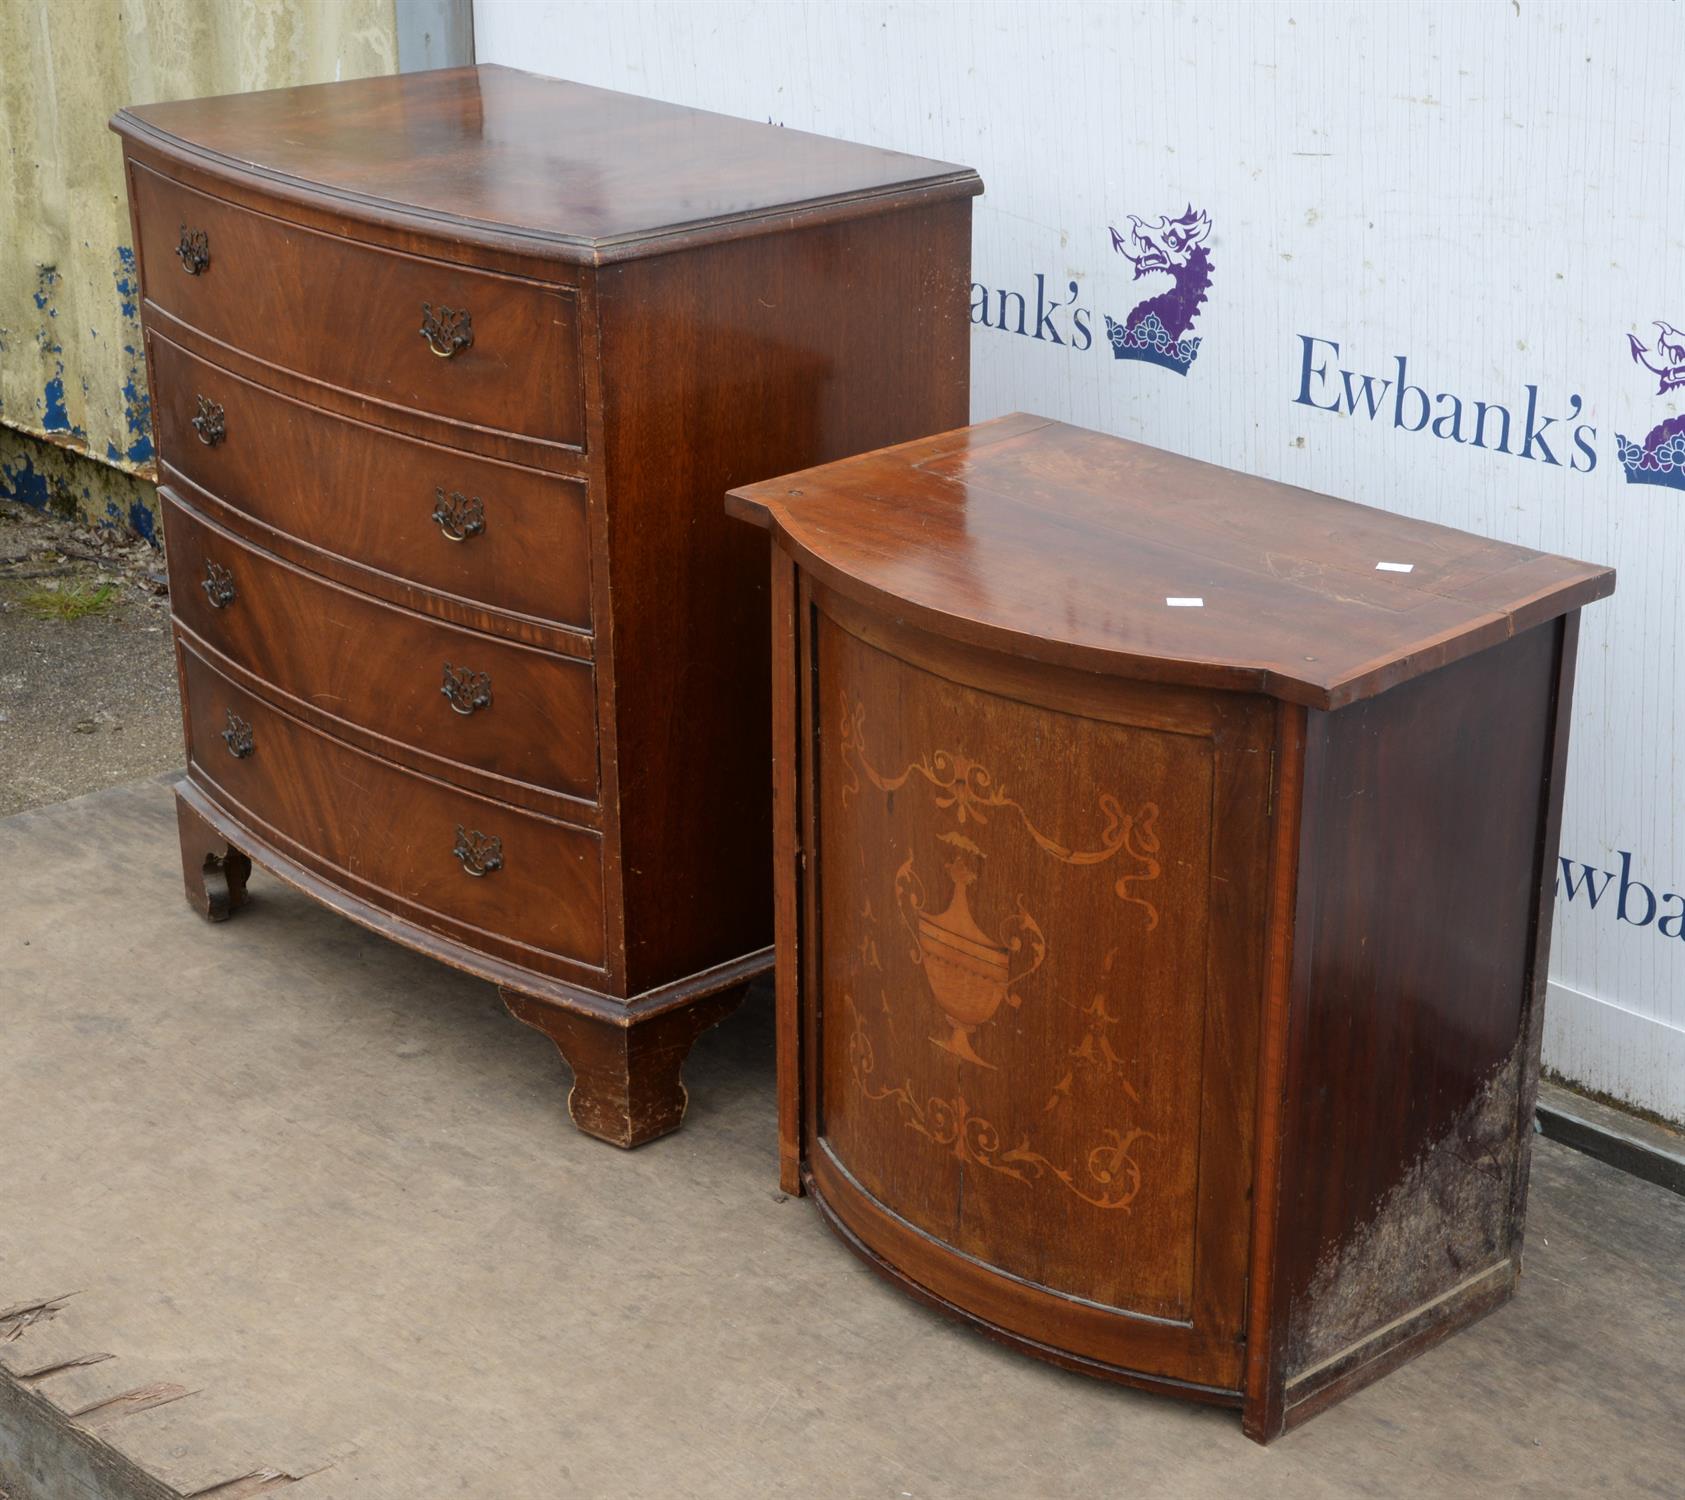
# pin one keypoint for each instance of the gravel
(88, 702)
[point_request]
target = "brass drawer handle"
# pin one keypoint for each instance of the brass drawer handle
(465, 689)
(238, 736)
(448, 331)
(458, 516)
(218, 585)
(194, 250)
(209, 423)
(480, 853)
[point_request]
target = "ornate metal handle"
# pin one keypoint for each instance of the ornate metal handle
(465, 689)
(458, 516)
(218, 585)
(448, 331)
(480, 853)
(194, 250)
(209, 424)
(238, 736)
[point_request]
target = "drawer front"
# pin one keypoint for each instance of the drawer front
(458, 861)
(474, 700)
(492, 533)
(497, 351)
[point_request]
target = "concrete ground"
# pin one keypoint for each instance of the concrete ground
(315, 1204)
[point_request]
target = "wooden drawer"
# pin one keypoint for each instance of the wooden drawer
(494, 534)
(396, 832)
(352, 316)
(460, 698)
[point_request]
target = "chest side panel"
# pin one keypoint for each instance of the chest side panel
(722, 364)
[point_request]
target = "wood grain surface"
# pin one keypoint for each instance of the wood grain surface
(451, 373)
(363, 664)
(1180, 1035)
(1068, 545)
(587, 171)
(351, 316)
(358, 501)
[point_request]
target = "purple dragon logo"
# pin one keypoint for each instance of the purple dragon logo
(1660, 458)
(1157, 330)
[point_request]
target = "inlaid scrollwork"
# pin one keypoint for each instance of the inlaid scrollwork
(1108, 1177)
(972, 972)
(968, 789)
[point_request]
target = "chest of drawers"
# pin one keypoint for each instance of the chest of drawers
(450, 373)
(1165, 867)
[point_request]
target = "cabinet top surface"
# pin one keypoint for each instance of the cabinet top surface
(492, 147)
(1067, 545)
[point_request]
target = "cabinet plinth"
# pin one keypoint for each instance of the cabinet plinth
(1160, 984)
(449, 372)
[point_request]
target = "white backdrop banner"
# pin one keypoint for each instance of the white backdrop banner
(1423, 256)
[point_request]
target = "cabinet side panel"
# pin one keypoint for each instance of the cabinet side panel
(722, 366)
(1419, 881)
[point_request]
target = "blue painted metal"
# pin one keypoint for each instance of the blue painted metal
(23, 482)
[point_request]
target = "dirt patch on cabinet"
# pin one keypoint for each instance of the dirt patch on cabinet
(1446, 1220)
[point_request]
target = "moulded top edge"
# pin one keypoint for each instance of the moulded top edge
(518, 161)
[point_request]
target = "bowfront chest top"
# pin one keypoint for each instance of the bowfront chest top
(1163, 863)
(449, 372)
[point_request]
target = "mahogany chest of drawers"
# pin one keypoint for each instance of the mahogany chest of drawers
(450, 371)
(1164, 895)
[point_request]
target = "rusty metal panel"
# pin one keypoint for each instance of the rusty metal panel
(71, 366)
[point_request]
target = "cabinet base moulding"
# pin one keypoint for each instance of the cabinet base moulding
(1063, 1358)
(1385, 1349)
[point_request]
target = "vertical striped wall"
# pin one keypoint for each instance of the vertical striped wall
(1481, 198)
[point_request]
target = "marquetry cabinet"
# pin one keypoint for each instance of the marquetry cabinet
(1164, 896)
(449, 373)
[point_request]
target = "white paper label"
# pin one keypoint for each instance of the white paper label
(1395, 567)
(1186, 603)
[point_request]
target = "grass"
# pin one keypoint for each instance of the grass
(74, 602)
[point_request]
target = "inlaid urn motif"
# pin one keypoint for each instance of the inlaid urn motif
(967, 973)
